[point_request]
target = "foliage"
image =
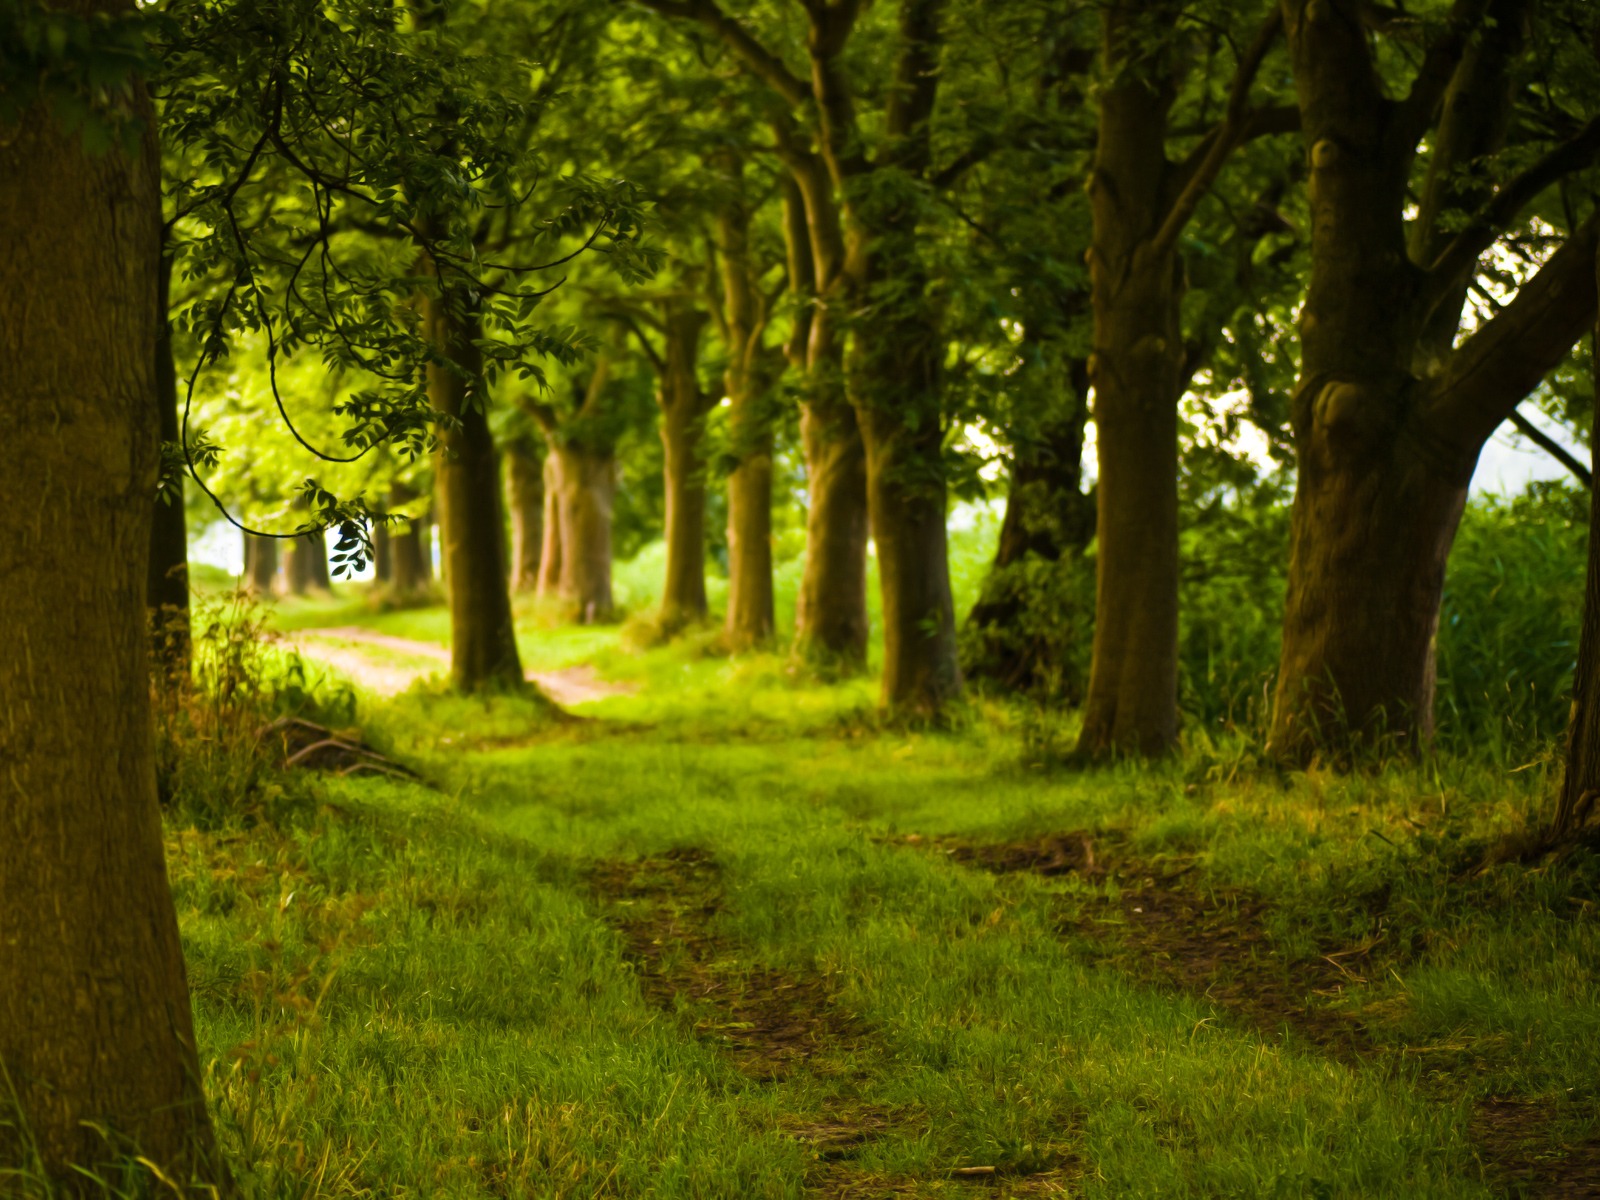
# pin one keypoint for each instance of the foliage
(214, 765)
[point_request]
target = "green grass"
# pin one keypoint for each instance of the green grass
(419, 991)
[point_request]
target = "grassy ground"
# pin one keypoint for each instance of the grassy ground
(725, 936)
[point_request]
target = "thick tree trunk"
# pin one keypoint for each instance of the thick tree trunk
(1132, 703)
(260, 563)
(167, 592)
(1383, 465)
(684, 405)
(831, 608)
(1580, 785)
(1136, 371)
(96, 1035)
(526, 499)
(1012, 634)
(483, 644)
(894, 381)
(588, 486)
(549, 581)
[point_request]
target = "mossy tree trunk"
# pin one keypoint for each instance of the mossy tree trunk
(684, 405)
(1390, 416)
(831, 607)
(747, 380)
(96, 1033)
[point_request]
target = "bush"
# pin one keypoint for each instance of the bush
(212, 766)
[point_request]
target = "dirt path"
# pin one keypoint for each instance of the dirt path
(343, 648)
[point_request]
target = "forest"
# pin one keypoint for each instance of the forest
(799, 598)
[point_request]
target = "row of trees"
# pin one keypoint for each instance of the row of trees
(915, 220)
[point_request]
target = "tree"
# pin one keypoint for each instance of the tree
(875, 276)
(1580, 783)
(582, 477)
(684, 404)
(96, 1034)
(1392, 410)
(1141, 203)
(395, 265)
(525, 497)
(742, 317)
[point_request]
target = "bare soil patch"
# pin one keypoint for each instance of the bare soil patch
(1210, 939)
(770, 1022)
(1521, 1145)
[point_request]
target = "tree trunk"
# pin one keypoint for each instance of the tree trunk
(525, 496)
(96, 1034)
(318, 574)
(382, 554)
(1013, 636)
(750, 616)
(1136, 371)
(483, 644)
(167, 592)
(1384, 459)
(895, 380)
(549, 584)
(408, 548)
(831, 608)
(683, 409)
(260, 563)
(1580, 785)
(588, 486)
(296, 566)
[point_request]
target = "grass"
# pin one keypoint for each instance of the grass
(729, 937)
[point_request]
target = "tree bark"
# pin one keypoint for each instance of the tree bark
(167, 592)
(483, 644)
(549, 583)
(382, 554)
(260, 563)
(1388, 417)
(588, 487)
(1048, 517)
(894, 379)
(96, 1034)
(296, 566)
(684, 405)
(831, 608)
(1580, 784)
(526, 498)
(750, 617)
(1136, 371)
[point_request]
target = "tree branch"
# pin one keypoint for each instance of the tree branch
(1224, 140)
(1439, 62)
(1552, 447)
(1457, 258)
(1495, 368)
(762, 63)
